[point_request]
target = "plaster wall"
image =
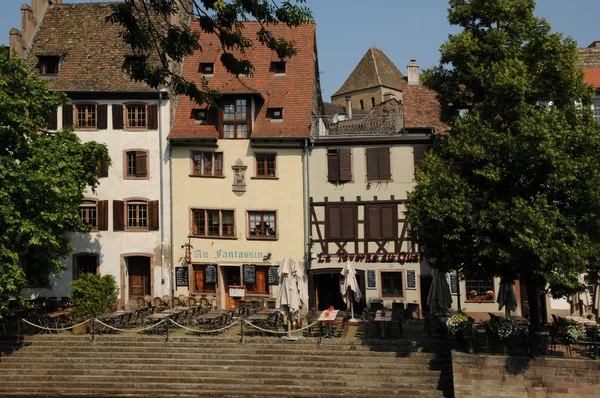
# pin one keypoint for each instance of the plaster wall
(365, 95)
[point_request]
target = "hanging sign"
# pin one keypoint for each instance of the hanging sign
(237, 291)
(371, 279)
(210, 274)
(274, 275)
(411, 279)
(181, 276)
(249, 273)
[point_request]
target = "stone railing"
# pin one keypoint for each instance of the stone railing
(369, 124)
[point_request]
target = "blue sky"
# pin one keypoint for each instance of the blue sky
(403, 29)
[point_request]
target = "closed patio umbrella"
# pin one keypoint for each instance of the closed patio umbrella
(597, 301)
(350, 290)
(580, 302)
(288, 297)
(507, 297)
(439, 298)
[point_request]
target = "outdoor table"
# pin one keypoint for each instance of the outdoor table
(60, 313)
(383, 320)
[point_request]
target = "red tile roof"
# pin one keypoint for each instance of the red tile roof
(295, 91)
(592, 76)
(422, 108)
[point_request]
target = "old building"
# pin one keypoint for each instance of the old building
(238, 169)
(77, 52)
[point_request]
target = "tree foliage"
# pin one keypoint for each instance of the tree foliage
(43, 176)
(514, 190)
(161, 31)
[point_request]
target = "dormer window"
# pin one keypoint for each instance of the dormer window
(207, 68)
(49, 65)
(236, 119)
(278, 67)
(275, 113)
(132, 63)
(200, 115)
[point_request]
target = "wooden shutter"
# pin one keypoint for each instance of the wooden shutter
(261, 281)
(152, 117)
(117, 117)
(67, 115)
(53, 121)
(141, 164)
(118, 215)
(372, 164)
(349, 222)
(383, 157)
(389, 221)
(102, 169)
(345, 159)
(103, 215)
(333, 223)
(199, 277)
(153, 215)
(373, 221)
(333, 165)
(418, 156)
(102, 117)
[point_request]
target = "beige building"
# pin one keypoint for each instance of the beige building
(238, 171)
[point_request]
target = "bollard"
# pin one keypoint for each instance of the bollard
(167, 326)
(242, 332)
(595, 339)
(93, 327)
(19, 331)
(320, 331)
(365, 332)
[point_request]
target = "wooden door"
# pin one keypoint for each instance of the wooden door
(232, 278)
(139, 276)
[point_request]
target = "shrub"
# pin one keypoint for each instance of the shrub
(91, 294)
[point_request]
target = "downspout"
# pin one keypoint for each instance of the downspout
(306, 203)
(172, 274)
(162, 201)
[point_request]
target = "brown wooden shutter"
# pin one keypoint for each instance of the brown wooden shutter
(333, 223)
(102, 169)
(333, 165)
(53, 121)
(385, 170)
(152, 117)
(372, 164)
(117, 117)
(153, 215)
(102, 117)
(345, 159)
(118, 215)
(199, 277)
(141, 164)
(389, 221)
(67, 115)
(349, 222)
(373, 221)
(103, 215)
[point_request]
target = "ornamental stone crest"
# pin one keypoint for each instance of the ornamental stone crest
(239, 177)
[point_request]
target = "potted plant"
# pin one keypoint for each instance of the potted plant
(456, 323)
(92, 294)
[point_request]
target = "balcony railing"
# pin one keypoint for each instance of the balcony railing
(369, 124)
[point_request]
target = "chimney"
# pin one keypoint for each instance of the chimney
(413, 73)
(349, 105)
(16, 42)
(595, 44)
(31, 17)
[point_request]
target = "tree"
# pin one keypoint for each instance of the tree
(513, 190)
(43, 176)
(92, 294)
(160, 31)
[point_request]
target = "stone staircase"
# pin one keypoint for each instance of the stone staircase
(192, 366)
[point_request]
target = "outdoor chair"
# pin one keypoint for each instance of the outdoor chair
(141, 302)
(159, 305)
(191, 302)
(182, 300)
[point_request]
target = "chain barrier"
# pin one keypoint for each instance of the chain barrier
(129, 330)
(205, 331)
(273, 331)
(53, 329)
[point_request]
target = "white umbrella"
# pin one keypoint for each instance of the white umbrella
(597, 301)
(298, 274)
(350, 287)
(507, 297)
(288, 297)
(580, 301)
(439, 298)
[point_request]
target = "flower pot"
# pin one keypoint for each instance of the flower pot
(84, 328)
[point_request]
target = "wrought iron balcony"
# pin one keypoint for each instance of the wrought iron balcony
(367, 124)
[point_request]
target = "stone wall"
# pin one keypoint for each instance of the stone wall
(541, 377)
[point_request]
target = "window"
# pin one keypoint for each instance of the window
(260, 286)
(596, 103)
(200, 281)
(207, 68)
(49, 65)
(381, 221)
(372, 102)
(102, 169)
(132, 64)
(136, 116)
(86, 116)
(235, 119)
(362, 105)
(479, 289)
(418, 156)
(341, 222)
(137, 214)
(213, 223)
(275, 113)
(136, 164)
(378, 164)
(278, 67)
(207, 163)
(391, 284)
(84, 263)
(88, 212)
(339, 165)
(32, 263)
(200, 115)
(265, 164)
(261, 224)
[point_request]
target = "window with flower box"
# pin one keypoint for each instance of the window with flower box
(479, 289)
(262, 224)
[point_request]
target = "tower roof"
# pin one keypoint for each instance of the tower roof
(373, 70)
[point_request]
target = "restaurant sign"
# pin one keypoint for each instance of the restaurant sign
(228, 254)
(402, 257)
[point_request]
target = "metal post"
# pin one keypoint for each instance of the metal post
(366, 331)
(19, 331)
(320, 331)
(93, 327)
(595, 339)
(167, 320)
(242, 332)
